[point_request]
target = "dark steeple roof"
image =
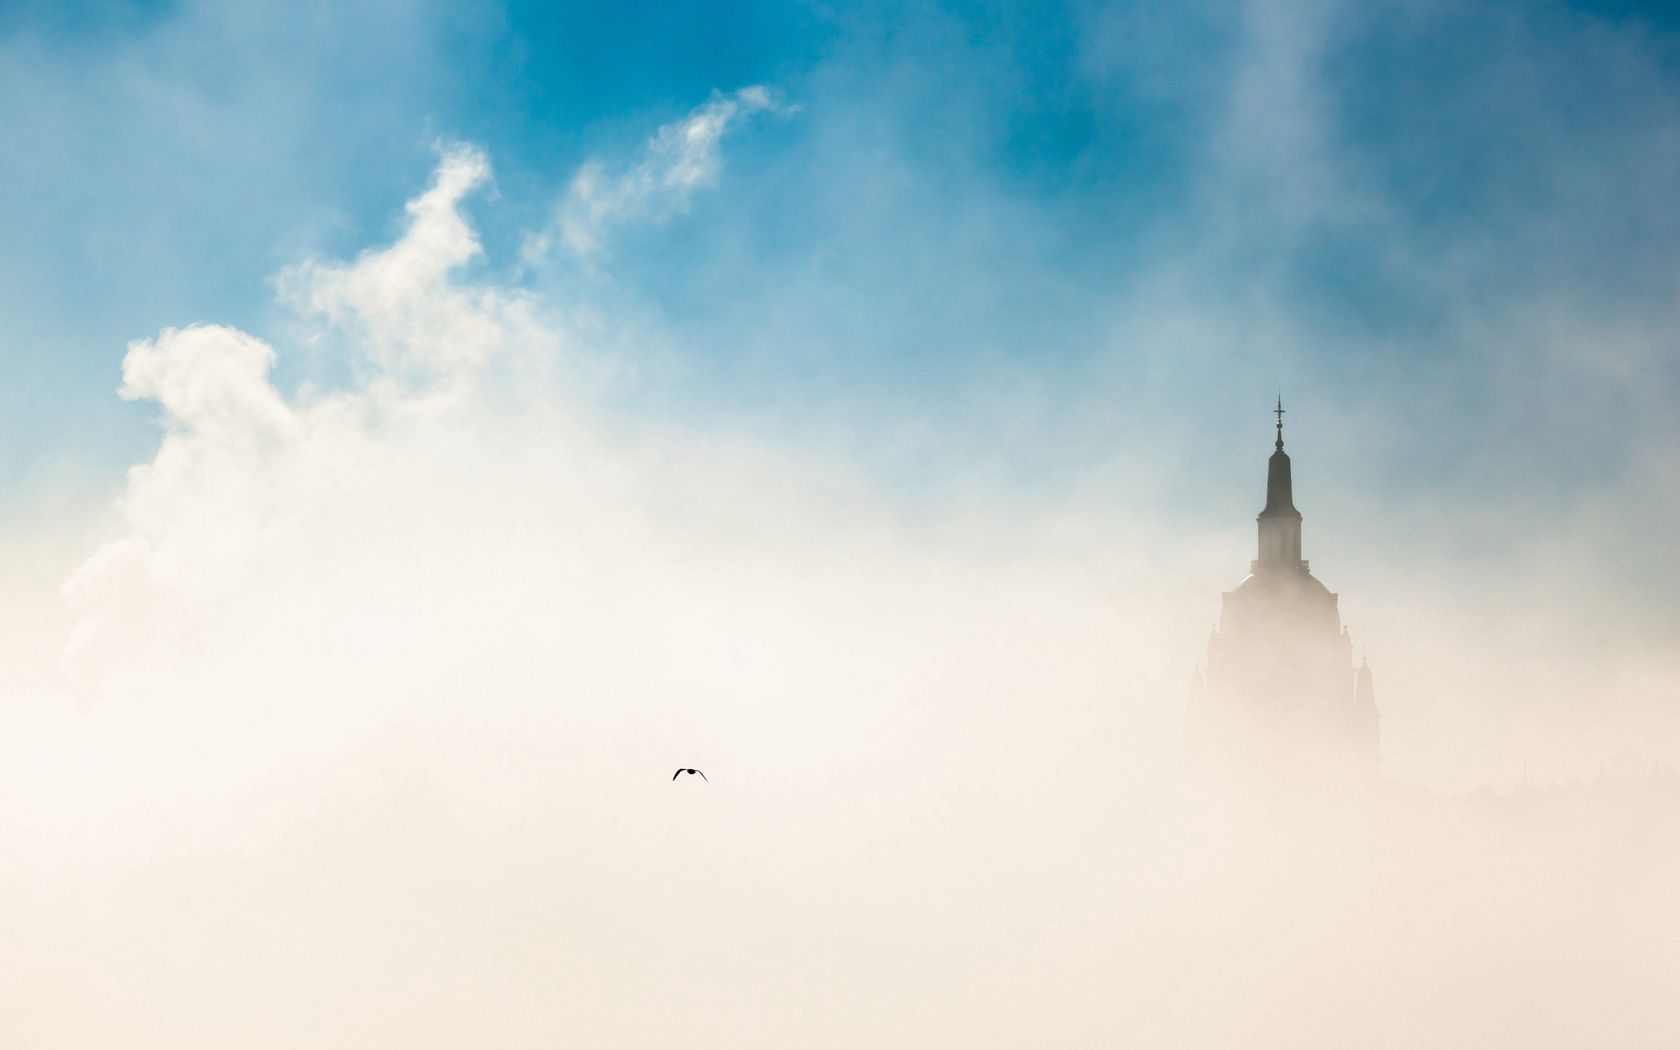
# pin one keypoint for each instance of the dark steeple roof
(1280, 498)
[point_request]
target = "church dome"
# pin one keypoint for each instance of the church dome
(1282, 584)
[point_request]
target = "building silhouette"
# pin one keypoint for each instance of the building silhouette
(1280, 693)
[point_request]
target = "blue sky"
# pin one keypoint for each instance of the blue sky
(1030, 241)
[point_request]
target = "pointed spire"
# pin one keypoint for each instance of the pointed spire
(1363, 690)
(1280, 522)
(1279, 489)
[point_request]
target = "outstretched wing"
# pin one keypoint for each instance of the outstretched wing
(677, 774)
(704, 777)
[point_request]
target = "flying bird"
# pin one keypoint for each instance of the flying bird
(680, 772)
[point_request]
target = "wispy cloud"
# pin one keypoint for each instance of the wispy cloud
(681, 158)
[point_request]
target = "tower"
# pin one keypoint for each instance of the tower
(1280, 686)
(1365, 731)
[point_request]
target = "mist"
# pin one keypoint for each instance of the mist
(349, 718)
(367, 717)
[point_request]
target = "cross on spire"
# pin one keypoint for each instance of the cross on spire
(1279, 413)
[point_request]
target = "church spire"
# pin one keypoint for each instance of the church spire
(1280, 522)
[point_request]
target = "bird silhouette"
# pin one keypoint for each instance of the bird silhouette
(680, 772)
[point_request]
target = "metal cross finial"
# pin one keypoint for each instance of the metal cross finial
(1279, 413)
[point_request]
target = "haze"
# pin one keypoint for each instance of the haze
(868, 409)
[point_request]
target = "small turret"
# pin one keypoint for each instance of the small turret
(1367, 720)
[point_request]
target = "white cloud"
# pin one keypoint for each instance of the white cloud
(198, 506)
(398, 305)
(681, 158)
(240, 467)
